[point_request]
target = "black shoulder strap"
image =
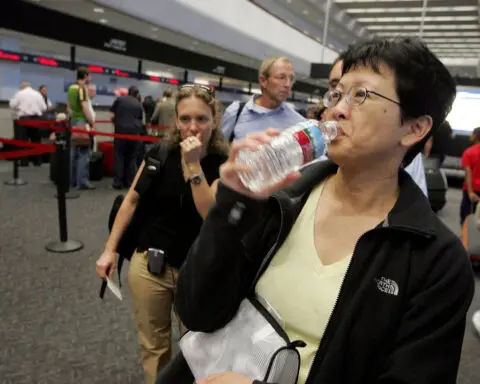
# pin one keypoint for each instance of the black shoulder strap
(153, 166)
(239, 112)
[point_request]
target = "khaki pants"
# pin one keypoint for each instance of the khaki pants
(152, 300)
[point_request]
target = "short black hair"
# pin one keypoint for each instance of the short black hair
(424, 85)
(476, 134)
(82, 73)
(340, 57)
(133, 91)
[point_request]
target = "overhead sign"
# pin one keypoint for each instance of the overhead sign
(93, 68)
(33, 59)
(116, 45)
(100, 69)
(30, 18)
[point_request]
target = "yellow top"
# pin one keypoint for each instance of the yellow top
(300, 288)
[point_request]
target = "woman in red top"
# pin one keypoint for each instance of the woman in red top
(471, 186)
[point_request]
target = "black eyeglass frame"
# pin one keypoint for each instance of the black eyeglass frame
(326, 101)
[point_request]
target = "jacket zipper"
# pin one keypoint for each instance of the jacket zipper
(328, 329)
(317, 359)
(274, 247)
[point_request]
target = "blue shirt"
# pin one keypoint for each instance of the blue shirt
(255, 118)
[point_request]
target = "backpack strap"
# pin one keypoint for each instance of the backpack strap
(154, 165)
(239, 112)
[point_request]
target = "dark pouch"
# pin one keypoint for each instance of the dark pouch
(156, 261)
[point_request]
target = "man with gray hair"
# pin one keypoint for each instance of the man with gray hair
(269, 110)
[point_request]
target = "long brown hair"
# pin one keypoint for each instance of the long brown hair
(217, 143)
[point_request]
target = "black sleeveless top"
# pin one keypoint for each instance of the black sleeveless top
(169, 216)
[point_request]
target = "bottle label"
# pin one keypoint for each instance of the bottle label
(306, 144)
(311, 141)
(318, 141)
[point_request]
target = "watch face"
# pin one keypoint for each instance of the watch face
(196, 179)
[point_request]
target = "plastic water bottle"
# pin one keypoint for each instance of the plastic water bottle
(294, 148)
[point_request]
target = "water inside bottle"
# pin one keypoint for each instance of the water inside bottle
(274, 161)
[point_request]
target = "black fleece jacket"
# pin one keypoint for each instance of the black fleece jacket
(400, 315)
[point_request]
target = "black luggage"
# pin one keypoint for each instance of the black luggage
(96, 166)
(53, 166)
(437, 184)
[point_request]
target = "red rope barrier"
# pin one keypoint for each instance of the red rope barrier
(49, 124)
(117, 135)
(34, 149)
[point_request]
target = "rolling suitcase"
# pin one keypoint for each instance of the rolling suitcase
(96, 166)
(437, 184)
(471, 236)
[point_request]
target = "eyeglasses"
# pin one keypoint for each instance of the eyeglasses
(354, 96)
(206, 88)
(283, 78)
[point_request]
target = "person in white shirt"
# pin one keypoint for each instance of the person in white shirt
(28, 104)
(92, 92)
(415, 168)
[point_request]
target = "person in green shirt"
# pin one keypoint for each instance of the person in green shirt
(80, 115)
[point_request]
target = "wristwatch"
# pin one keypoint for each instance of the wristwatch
(196, 179)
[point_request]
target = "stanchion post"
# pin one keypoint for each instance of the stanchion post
(64, 245)
(16, 181)
(69, 195)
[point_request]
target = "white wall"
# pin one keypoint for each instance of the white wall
(235, 25)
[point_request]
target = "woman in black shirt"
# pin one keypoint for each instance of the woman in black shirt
(173, 209)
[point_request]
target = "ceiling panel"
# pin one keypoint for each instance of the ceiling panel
(91, 11)
(455, 20)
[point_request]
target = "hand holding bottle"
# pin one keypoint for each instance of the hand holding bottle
(230, 171)
(274, 158)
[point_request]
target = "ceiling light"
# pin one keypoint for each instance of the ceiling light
(425, 27)
(428, 33)
(305, 12)
(416, 19)
(370, 1)
(412, 9)
(98, 10)
(103, 21)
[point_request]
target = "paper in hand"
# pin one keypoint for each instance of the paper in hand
(115, 289)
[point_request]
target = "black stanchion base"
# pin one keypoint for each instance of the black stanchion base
(16, 182)
(64, 247)
(70, 195)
